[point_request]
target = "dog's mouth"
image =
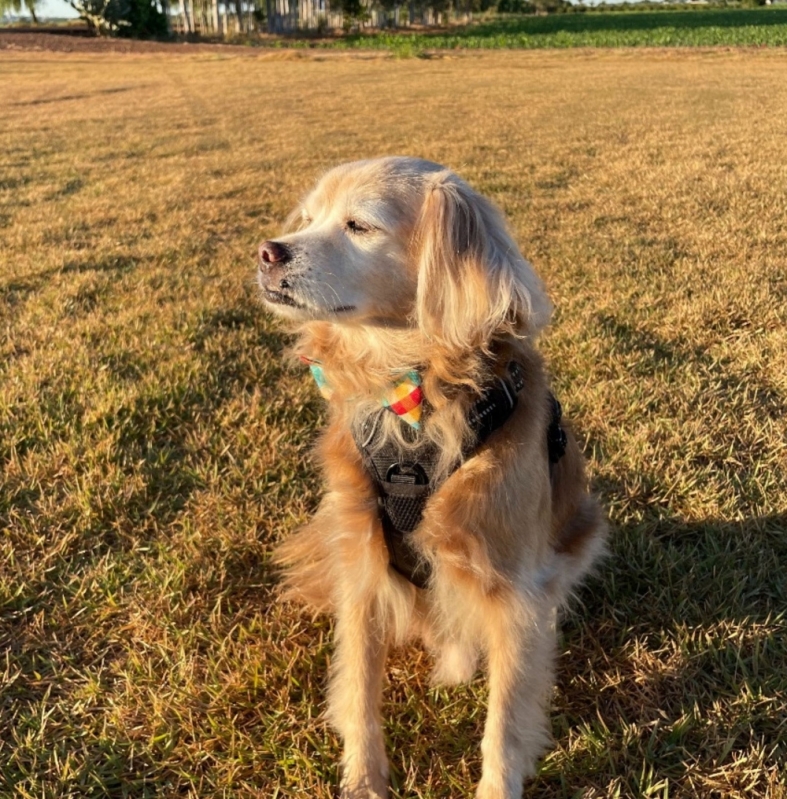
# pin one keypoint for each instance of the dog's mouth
(280, 298)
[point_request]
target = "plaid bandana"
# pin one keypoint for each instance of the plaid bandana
(404, 398)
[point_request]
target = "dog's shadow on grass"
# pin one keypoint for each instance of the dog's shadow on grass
(672, 654)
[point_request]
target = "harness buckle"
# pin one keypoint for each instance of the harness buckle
(406, 474)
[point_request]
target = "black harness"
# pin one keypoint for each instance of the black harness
(405, 479)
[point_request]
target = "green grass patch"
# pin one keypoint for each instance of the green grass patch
(689, 28)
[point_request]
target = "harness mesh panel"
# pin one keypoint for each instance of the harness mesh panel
(404, 512)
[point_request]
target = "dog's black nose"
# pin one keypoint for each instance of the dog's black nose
(272, 252)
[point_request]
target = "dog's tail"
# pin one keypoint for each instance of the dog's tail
(581, 539)
(579, 527)
(306, 568)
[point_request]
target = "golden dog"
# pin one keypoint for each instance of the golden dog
(400, 271)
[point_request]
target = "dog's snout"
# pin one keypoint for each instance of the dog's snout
(274, 272)
(273, 252)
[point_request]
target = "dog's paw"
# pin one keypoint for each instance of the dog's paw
(371, 783)
(488, 790)
(499, 787)
(365, 789)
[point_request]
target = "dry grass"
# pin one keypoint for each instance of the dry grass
(153, 445)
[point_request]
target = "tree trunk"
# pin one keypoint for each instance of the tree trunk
(167, 17)
(31, 7)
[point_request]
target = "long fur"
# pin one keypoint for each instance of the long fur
(444, 291)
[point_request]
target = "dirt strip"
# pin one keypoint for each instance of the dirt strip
(78, 40)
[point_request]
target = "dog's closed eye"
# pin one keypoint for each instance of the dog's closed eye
(356, 227)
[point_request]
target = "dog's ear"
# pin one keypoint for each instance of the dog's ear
(473, 282)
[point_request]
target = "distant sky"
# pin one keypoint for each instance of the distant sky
(56, 8)
(52, 9)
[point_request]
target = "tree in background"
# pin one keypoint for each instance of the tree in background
(103, 17)
(354, 12)
(138, 18)
(145, 19)
(16, 6)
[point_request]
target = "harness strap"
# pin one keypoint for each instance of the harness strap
(557, 441)
(404, 479)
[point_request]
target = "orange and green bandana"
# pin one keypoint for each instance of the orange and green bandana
(404, 398)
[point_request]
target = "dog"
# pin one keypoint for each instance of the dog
(442, 520)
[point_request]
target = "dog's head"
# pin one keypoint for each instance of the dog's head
(403, 242)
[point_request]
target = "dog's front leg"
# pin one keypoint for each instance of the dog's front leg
(520, 655)
(354, 699)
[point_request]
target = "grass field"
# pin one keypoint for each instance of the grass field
(154, 444)
(692, 27)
